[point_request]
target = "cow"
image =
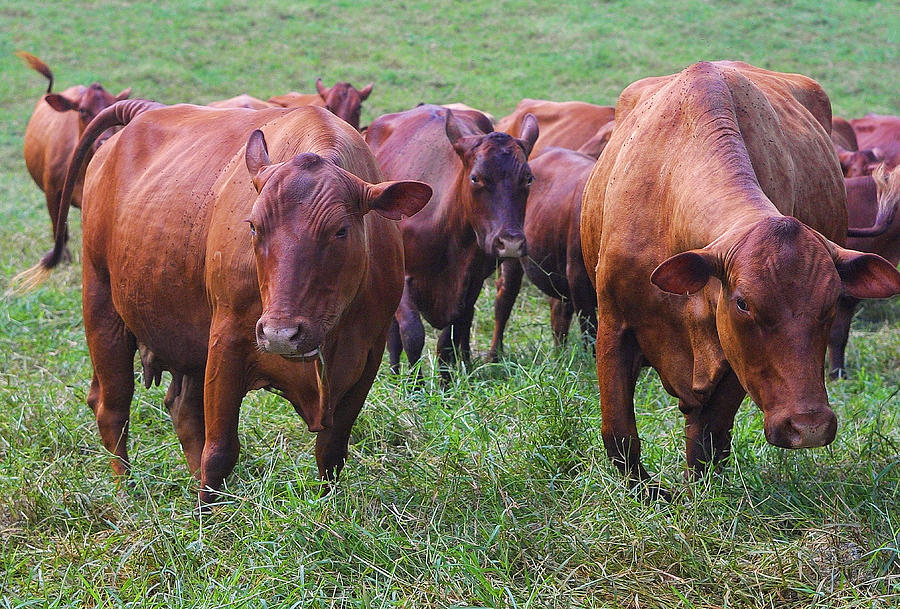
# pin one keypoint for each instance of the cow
(53, 130)
(594, 146)
(240, 250)
(568, 124)
(554, 262)
(854, 162)
(881, 132)
(871, 200)
(712, 222)
(481, 180)
(343, 100)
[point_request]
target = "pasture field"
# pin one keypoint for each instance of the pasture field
(495, 492)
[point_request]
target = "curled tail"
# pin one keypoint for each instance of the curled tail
(119, 114)
(36, 64)
(887, 187)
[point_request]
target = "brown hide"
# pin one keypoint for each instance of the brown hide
(244, 101)
(881, 133)
(702, 273)
(343, 100)
(568, 124)
(53, 130)
(480, 180)
(239, 261)
(554, 262)
(594, 146)
(868, 197)
(854, 162)
(842, 134)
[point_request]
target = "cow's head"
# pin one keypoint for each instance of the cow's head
(344, 100)
(88, 103)
(856, 163)
(780, 282)
(494, 184)
(311, 244)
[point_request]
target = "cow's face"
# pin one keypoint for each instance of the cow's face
(494, 185)
(780, 284)
(344, 100)
(311, 244)
(857, 163)
(88, 104)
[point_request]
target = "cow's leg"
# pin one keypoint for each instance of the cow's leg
(112, 349)
(395, 346)
(224, 388)
(708, 428)
(331, 443)
(509, 282)
(618, 365)
(184, 401)
(840, 334)
(561, 311)
(411, 330)
(584, 299)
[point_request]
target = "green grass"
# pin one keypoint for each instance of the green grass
(495, 492)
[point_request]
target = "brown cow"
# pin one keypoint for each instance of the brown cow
(881, 132)
(869, 198)
(554, 262)
(481, 181)
(712, 220)
(343, 100)
(594, 146)
(854, 162)
(237, 272)
(568, 124)
(52, 133)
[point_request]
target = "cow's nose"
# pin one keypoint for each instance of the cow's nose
(803, 430)
(290, 338)
(510, 244)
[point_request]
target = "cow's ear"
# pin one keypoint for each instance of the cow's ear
(687, 272)
(866, 275)
(461, 143)
(396, 199)
(323, 92)
(60, 103)
(365, 91)
(257, 159)
(125, 94)
(528, 133)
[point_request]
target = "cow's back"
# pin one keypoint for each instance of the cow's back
(714, 137)
(50, 138)
(568, 124)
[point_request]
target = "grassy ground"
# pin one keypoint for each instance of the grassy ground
(495, 492)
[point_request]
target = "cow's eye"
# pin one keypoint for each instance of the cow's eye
(474, 178)
(252, 227)
(529, 180)
(742, 305)
(341, 233)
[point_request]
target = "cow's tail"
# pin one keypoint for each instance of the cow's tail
(119, 114)
(36, 64)
(887, 188)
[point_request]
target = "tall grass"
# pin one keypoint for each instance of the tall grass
(493, 492)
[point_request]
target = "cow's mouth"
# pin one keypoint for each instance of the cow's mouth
(303, 357)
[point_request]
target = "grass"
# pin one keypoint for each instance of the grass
(495, 492)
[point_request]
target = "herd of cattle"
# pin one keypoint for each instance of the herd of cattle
(697, 227)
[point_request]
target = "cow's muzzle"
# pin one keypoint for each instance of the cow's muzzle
(509, 244)
(801, 429)
(293, 338)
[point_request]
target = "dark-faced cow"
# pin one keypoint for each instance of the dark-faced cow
(871, 201)
(568, 124)
(241, 250)
(52, 133)
(481, 180)
(712, 221)
(554, 262)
